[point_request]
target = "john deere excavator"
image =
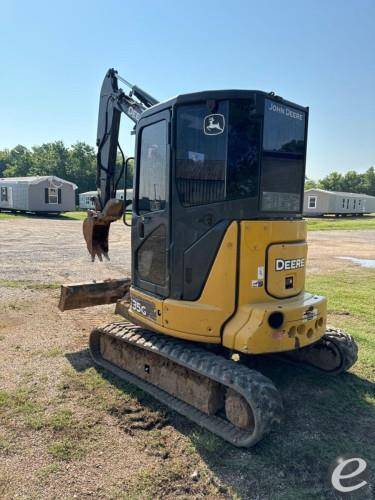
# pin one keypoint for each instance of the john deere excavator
(219, 253)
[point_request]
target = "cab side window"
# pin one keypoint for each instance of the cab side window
(152, 171)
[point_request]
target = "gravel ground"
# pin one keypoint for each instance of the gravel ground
(325, 248)
(53, 251)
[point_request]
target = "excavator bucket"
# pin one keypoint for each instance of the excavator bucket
(96, 228)
(96, 234)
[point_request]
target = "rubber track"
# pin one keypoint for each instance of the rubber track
(259, 391)
(345, 345)
(336, 340)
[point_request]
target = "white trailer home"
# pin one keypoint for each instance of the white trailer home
(319, 202)
(85, 199)
(40, 194)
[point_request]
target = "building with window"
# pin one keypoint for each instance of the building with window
(37, 194)
(86, 199)
(319, 202)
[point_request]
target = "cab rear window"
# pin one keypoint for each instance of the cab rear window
(283, 158)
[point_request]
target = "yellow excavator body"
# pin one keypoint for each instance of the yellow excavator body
(254, 299)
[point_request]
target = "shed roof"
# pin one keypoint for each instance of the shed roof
(340, 193)
(36, 179)
(89, 193)
(95, 193)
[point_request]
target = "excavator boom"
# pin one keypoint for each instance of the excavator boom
(113, 102)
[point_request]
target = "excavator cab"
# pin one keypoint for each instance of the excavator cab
(202, 161)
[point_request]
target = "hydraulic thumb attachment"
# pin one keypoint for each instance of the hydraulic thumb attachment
(96, 228)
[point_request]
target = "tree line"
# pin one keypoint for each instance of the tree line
(77, 164)
(351, 182)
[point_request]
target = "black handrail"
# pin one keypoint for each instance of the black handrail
(125, 182)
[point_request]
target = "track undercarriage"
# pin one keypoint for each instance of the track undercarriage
(229, 399)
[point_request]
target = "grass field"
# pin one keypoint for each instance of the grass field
(326, 223)
(77, 215)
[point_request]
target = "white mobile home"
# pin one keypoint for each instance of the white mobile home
(318, 202)
(37, 194)
(85, 199)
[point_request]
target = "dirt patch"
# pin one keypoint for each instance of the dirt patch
(326, 246)
(52, 251)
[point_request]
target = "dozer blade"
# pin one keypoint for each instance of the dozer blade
(96, 228)
(79, 295)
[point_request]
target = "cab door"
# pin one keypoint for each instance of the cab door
(151, 207)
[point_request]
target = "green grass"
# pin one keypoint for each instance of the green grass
(21, 403)
(352, 223)
(5, 446)
(8, 215)
(61, 419)
(351, 303)
(48, 470)
(76, 215)
(81, 215)
(54, 352)
(28, 284)
(66, 450)
(67, 437)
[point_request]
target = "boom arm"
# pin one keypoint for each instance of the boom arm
(113, 102)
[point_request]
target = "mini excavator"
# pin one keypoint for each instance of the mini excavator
(219, 252)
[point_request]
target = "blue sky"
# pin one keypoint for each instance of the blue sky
(317, 53)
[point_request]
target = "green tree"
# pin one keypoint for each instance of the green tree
(3, 161)
(81, 167)
(332, 182)
(76, 163)
(353, 182)
(19, 161)
(129, 180)
(310, 183)
(369, 181)
(51, 158)
(130, 172)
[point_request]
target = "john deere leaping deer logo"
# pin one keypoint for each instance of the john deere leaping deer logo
(214, 124)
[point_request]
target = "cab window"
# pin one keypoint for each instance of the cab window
(152, 170)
